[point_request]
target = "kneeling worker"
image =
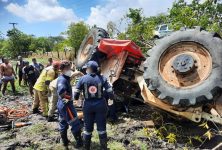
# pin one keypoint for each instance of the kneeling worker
(67, 113)
(41, 88)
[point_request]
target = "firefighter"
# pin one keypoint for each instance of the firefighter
(41, 88)
(95, 106)
(67, 113)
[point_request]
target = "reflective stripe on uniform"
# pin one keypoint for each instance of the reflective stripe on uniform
(73, 120)
(87, 133)
(99, 90)
(109, 90)
(101, 132)
(86, 91)
(77, 90)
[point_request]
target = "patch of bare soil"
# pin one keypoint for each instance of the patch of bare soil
(141, 128)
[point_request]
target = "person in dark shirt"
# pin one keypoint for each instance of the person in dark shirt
(50, 61)
(19, 65)
(29, 76)
(38, 67)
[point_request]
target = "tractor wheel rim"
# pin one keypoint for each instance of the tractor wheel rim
(86, 49)
(199, 63)
(183, 64)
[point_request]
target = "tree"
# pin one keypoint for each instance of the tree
(206, 14)
(140, 28)
(76, 33)
(17, 42)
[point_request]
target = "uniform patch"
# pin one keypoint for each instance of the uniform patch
(92, 89)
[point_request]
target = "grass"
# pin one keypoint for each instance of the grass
(143, 146)
(140, 133)
(40, 60)
(22, 89)
(35, 129)
(115, 146)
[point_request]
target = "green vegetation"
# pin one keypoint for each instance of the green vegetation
(115, 146)
(76, 33)
(141, 145)
(139, 28)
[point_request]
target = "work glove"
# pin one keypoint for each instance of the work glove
(65, 101)
(110, 102)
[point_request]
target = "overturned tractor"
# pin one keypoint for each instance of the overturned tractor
(181, 75)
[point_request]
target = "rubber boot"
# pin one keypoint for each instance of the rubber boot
(35, 111)
(78, 138)
(64, 138)
(103, 142)
(51, 119)
(87, 143)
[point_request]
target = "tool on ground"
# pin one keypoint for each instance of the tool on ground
(13, 125)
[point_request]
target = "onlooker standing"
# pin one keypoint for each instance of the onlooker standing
(50, 61)
(38, 67)
(19, 65)
(7, 74)
(29, 76)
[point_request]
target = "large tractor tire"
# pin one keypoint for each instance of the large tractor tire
(89, 46)
(185, 68)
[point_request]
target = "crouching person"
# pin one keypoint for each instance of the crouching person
(29, 76)
(95, 106)
(41, 88)
(67, 113)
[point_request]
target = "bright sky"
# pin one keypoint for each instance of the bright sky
(51, 17)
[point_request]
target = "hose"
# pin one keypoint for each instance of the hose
(19, 112)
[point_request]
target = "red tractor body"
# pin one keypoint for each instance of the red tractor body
(114, 47)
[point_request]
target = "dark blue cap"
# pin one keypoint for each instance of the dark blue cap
(93, 65)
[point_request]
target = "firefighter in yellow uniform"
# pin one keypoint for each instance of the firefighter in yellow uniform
(41, 88)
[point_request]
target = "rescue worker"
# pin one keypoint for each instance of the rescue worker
(29, 76)
(95, 106)
(7, 74)
(19, 66)
(67, 112)
(53, 97)
(111, 115)
(41, 88)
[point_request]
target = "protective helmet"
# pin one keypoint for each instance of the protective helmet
(93, 65)
(56, 64)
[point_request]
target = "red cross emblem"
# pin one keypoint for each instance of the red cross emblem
(92, 89)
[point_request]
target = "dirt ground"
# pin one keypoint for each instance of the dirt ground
(134, 131)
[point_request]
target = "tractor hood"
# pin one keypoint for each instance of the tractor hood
(113, 47)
